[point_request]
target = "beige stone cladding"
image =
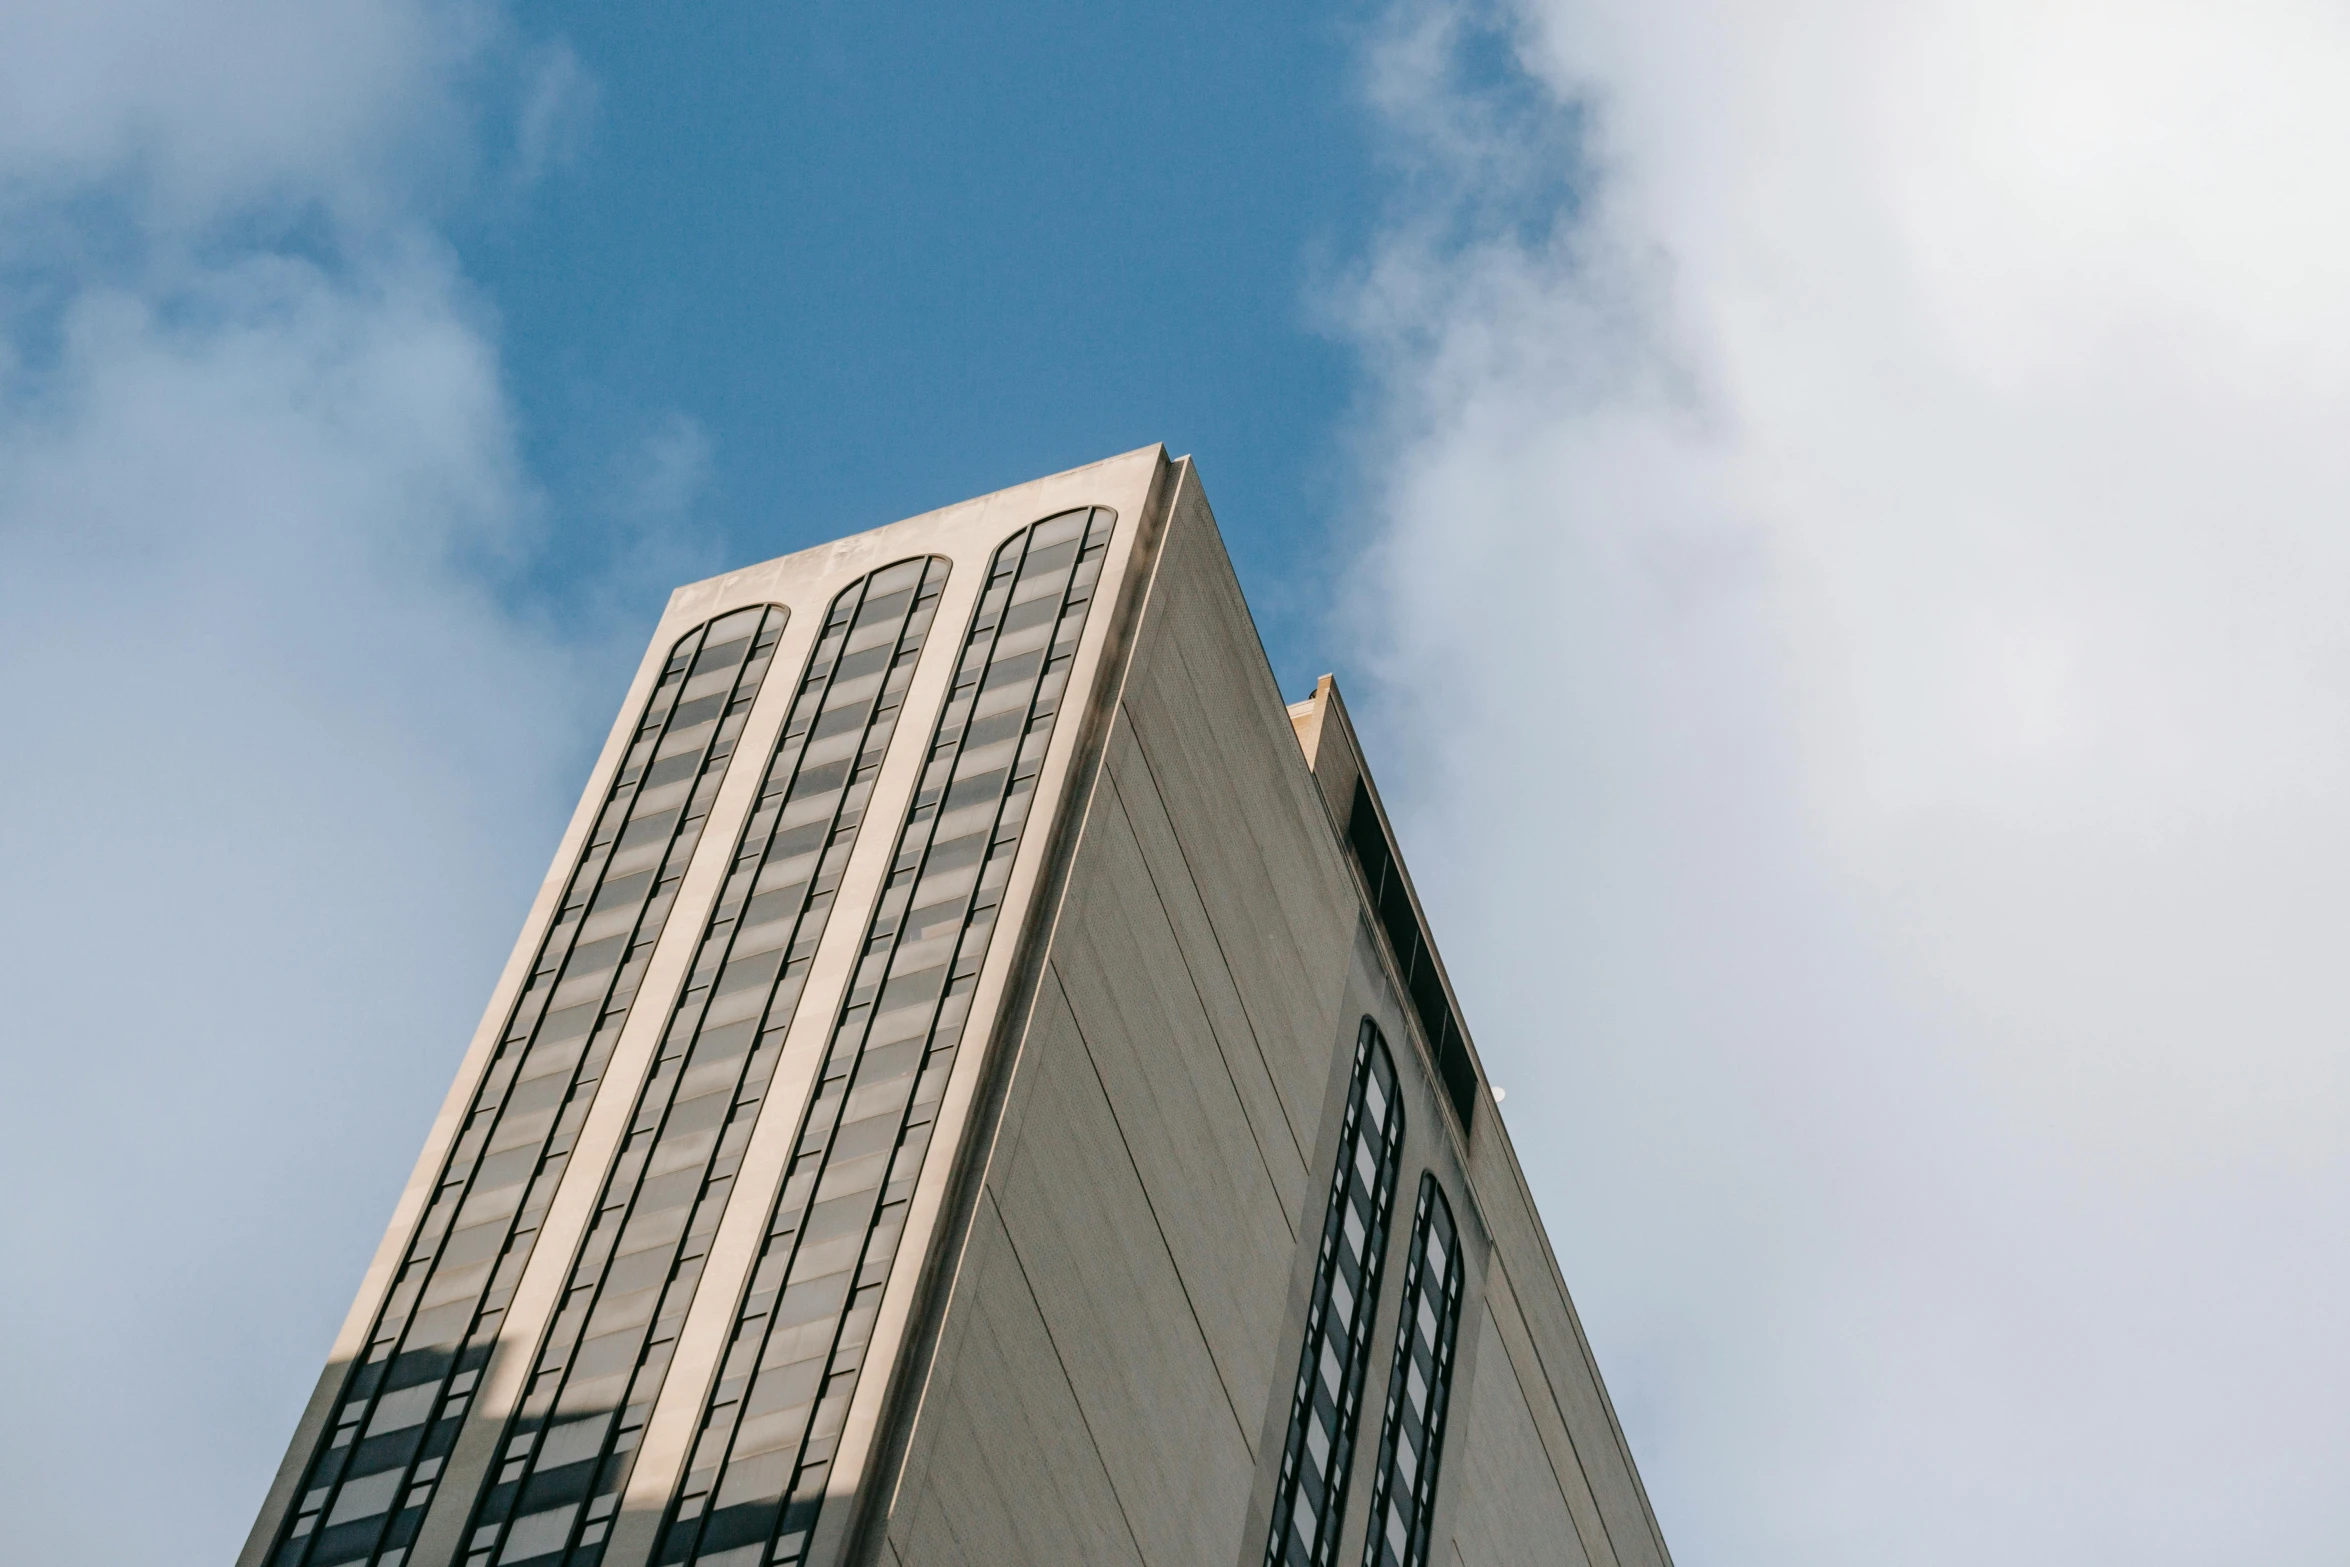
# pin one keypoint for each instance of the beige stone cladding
(1101, 1368)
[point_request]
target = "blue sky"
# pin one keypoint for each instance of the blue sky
(882, 257)
(1829, 516)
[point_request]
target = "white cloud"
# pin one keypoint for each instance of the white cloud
(559, 103)
(668, 471)
(215, 107)
(285, 759)
(1879, 549)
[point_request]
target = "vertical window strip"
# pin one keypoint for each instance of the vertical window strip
(1419, 1389)
(365, 1487)
(1309, 1494)
(568, 1454)
(756, 1475)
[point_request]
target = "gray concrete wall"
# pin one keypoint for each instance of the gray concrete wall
(1106, 1374)
(1508, 1492)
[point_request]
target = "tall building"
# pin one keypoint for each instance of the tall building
(976, 1086)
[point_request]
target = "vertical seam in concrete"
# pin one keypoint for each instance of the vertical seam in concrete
(1142, 750)
(1143, 1185)
(1012, 1245)
(1582, 1346)
(1607, 1403)
(1240, 1098)
(1526, 1393)
(1550, 1390)
(946, 1514)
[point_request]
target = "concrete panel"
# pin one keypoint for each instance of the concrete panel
(1176, 1106)
(1514, 1341)
(1112, 1298)
(1051, 1031)
(1011, 1471)
(1511, 1509)
(1566, 1360)
(1210, 727)
(1208, 967)
(1255, 740)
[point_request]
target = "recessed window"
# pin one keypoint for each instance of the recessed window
(1411, 1435)
(1309, 1496)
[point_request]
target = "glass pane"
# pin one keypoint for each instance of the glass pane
(1309, 1495)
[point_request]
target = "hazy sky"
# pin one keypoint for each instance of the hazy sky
(1832, 517)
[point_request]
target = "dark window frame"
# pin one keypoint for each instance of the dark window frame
(1427, 1333)
(1304, 1528)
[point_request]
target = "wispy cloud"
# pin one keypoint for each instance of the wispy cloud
(285, 760)
(666, 473)
(559, 103)
(1857, 609)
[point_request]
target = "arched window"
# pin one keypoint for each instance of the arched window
(568, 1453)
(756, 1476)
(1309, 1497)
(1411, 1436)
(365, 1487)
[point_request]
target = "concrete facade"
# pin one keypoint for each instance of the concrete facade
(1073, 1330)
